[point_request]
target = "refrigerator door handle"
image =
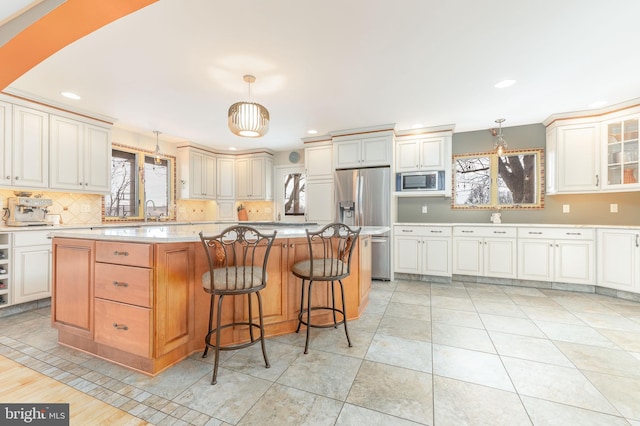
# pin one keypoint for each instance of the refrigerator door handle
(360, 189)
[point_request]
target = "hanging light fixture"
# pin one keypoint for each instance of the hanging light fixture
(500, 145)
(156, 153)
(248, 119)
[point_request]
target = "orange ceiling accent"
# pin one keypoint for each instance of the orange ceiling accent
(65, 24)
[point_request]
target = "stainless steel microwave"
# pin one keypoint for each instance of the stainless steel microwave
(420, 181)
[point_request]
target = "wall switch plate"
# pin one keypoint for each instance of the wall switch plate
(85, 208)
(613, 208)
(566, 208)
(424, 208)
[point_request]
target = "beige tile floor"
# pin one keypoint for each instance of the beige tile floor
(443, 354)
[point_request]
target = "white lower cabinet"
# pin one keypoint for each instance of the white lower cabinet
(485, 251)
(31, 260)
(618, 254)
(319, 196)
(557, 254)
(423, 250)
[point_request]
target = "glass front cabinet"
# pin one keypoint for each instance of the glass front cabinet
(622, 153)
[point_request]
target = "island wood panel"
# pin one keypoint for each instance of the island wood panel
(72, 295)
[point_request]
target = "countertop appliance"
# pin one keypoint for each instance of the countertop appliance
(27, 211)
(363, 199)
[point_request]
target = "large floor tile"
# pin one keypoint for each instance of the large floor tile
(322, 373)
(621, 391)
(414, 287)
(462, 337)
(250, 360)
(560, 315)
(283, 405)
(352, 415)
(461, 403)
(558, 384)
(456, 317)
(601, 360)
(407, 393)
(367, 322)
(552, 413)
(531, 348)
(409, 311)
(506, 309)
(401, 352)
(407, 328)
(574, 333)
(627, 340)
(411, 298)
(448, 302)
(609, 321)
(471, 366)
(513, 325)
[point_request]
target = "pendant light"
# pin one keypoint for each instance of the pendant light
(157, 160)
(500, 145)
(248, 119)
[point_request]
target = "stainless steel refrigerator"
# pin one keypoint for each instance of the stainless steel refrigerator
(363, 199)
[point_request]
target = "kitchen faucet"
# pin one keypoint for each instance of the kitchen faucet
(146, 208)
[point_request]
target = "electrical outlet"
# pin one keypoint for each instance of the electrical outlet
(85, 208)
(566, 208)
(613, 208)
(424, 209)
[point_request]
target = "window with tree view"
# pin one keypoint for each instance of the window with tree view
(294, 194)
(138, 180)
(489, 180)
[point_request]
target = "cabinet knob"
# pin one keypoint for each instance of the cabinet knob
(17, 177)
(292, 245)
(8, 177)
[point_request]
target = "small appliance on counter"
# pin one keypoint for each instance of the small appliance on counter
(27, 211)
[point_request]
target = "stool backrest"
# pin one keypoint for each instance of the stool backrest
(237, 257)
(334, 243)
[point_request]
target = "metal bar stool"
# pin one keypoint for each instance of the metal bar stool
(237, 266)
(330, 251)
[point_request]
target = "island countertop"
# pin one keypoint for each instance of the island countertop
(189, 233)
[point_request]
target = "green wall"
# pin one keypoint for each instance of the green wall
(585, 209)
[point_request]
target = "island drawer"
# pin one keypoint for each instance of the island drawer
(133, 254)
(485, 231)
(126, 284)
(423, 231)
(123, 327)
(557, 233)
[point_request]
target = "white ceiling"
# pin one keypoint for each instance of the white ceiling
(177, 65)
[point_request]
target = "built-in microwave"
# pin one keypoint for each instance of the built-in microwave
(420, 181)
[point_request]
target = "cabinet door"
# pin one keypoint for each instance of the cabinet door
(67, 153)
(407, 156)
(226, 210)
(196, 173)
(574, 262)
(73, 286)
(318, 162)
(319, 197)
(31, 273)
(243, 173)
(618, 255)
(97, 159)
(467, 255)
(209, 177)
(535, 259)
(436, 257)
(500, 257)
(225, 179)
(376, 152)
(6, 126)
(578, 148)
(408, 254)
(432, 154)
(30, 148)
(347, 154)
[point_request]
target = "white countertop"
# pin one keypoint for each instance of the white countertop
(187, 233)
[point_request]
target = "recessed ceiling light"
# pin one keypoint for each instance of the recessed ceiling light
(417, 126)
(232, 148)
(597, 104)
(504, 83)
(70, 95)
(312, 132)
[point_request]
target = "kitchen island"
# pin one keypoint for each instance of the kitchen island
(134, 296)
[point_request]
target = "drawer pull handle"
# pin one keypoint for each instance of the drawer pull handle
(637, 240)
(119, 284)
(407, 230)
(436, 232)
(535, 233)
(120, 326)
(120, 253)
(574, 233)
(466, 232)
(499, 232)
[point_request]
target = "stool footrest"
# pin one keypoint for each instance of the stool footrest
(207, 340)
(303, 313)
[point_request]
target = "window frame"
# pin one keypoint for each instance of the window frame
(140, 155)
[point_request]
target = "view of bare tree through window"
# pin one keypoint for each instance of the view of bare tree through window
(517, 183)
(473, 181)
(156, 186)
(122, 201)
(294, 194)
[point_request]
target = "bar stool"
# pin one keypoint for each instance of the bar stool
(330, 251)
(237, 260)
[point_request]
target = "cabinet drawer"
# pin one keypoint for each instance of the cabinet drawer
(123, 327)
(31, 238)
(423, 231)
(126, 284)
(557, 233)
(485, 231)
(124, 253)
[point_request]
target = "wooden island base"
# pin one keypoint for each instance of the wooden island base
(141, 305)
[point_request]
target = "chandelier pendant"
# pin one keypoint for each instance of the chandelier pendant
(248, 119)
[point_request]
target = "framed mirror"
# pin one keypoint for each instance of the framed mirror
(513, 180)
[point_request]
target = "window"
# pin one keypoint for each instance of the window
(138, 180)
(487, 180)
(294, 194)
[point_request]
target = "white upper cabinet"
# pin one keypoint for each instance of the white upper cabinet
(6, 124)
(318, 162)
(254, 178)
(80, 156)
(621, 153)
(30, 149)
(422, 154)
(226, 178)
(197, 174)
(362, 152)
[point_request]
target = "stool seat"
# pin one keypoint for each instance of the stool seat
(234, 279)
(330, 251)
